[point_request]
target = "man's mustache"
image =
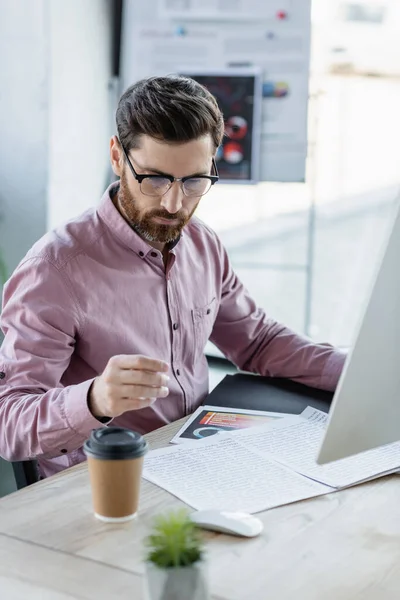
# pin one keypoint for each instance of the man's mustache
(168, 216)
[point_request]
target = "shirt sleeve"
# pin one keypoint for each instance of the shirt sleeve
(258, 344)
(41, 320)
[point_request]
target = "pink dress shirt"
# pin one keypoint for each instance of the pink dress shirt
(92, 289)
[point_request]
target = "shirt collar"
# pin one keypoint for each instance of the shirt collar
(119, 227)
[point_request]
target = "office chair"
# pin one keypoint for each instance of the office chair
(25, 473)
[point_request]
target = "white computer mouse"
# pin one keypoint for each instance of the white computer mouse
(234, 523)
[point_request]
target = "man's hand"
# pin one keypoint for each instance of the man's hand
(129, 382)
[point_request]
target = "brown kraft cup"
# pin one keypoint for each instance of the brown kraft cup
(115, 461)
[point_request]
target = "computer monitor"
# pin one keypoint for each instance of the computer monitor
(365, 411)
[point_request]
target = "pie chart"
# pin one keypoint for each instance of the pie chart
(233, 153)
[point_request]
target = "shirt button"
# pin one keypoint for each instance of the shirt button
(175, 326)
(153, 254)
(178, 372)
(2, 374)
(141, 253)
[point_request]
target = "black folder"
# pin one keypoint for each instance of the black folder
(254, 392)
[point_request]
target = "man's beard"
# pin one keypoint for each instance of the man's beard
(142, 222)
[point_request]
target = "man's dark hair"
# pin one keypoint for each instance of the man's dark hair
(173, 109)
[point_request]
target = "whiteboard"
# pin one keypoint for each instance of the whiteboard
(161, 37)
(224, 9)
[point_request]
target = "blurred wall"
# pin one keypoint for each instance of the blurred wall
(24, 110)
(79, 105)
(55, 61)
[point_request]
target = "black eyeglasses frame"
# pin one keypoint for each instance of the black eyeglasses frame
(139, 177)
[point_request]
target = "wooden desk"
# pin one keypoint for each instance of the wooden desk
(338, 547)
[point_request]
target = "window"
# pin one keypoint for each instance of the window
(363, 13)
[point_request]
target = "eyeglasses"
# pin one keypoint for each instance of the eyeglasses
(158, 185)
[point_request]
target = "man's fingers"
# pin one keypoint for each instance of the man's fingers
(137, 403)
(139, 363)
(146, 378)
(133, 392)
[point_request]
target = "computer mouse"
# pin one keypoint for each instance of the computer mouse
(233, 523)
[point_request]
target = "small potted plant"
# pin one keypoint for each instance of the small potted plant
(175, 559)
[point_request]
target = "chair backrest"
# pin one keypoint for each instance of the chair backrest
(25, 473)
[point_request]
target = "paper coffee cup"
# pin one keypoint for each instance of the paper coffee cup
(115, 461)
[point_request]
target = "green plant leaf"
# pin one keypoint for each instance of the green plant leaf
(175, 541)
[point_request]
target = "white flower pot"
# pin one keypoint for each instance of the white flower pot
(177, 583)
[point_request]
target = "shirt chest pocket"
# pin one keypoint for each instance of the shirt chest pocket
(203, 322)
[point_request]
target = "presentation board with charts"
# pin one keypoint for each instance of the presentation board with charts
(162, 37)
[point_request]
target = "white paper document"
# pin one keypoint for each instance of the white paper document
(295, 441)
(262, 467)
(222, 473)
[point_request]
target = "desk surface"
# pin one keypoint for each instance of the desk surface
(345, 545)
